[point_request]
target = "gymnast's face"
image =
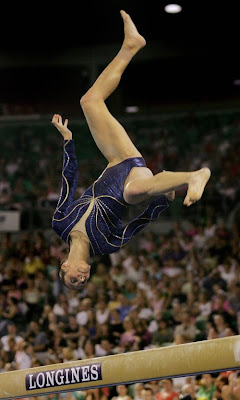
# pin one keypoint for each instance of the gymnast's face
(75, 277)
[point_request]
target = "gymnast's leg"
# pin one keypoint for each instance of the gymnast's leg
(113, 141)
(109, 135)
(139, 188)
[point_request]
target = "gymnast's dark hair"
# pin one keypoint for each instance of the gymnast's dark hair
(61, 274)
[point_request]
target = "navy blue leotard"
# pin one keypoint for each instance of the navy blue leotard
(104, 225)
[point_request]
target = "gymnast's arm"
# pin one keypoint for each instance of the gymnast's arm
(152, 212)
(70, 166)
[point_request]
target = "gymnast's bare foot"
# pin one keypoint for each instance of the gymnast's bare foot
(133, 41)
(197, 182)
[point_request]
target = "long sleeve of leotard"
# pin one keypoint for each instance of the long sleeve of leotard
(69, 176)
(152, 212)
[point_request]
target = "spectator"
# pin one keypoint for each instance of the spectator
(127, 338)
(10, 314)
(4, 186)
(234, 297)
(163, 334)
(32, 263)
(102, 311)
(122, 393)
(61, 308)
(220, 382)
(167, 392)
(144, 283)
(83, 335)
(199, 239)
(188, 392)
(99, 278)
(220, 324)
(187, 328)
(207, 388)
(124, 307)
(45, 317)
(204, 304)
(132, 268)
(137, 391)
(236, 388)
(227, 270)
(118, 275)
(71, 331)
(89, 349)
(23, 355)
(157, 301)
(37, 338)
(141, 305)
(104, 348)
(68, 354)
(143, 338)
(57, 341)
(9, 355)
(84, 312)
(11, 333)
(116, 326)
(31, 296)
(220, 302)
(147, 393)
(209, 229)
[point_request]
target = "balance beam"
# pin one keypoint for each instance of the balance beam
(139, 366)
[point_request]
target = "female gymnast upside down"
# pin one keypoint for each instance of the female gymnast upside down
(92, 224)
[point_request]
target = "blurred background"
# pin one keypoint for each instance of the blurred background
(50, 55)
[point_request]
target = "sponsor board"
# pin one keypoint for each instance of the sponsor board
(63, 376)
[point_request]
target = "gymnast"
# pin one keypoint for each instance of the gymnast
(92, 225)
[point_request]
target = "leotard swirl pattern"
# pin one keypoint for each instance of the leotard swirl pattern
(104, 225)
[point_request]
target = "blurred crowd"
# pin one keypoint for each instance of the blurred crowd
(173, 288)
(177, 288)
(31, 157)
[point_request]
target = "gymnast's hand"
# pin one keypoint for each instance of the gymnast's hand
(62, 128)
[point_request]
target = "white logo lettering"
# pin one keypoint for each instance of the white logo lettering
(31, 386)
(61, 381)
(94, 372)
(75, 375)
(50, 378)
(40, 380)
(85, 373)
(65, 376)
(67, 379)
